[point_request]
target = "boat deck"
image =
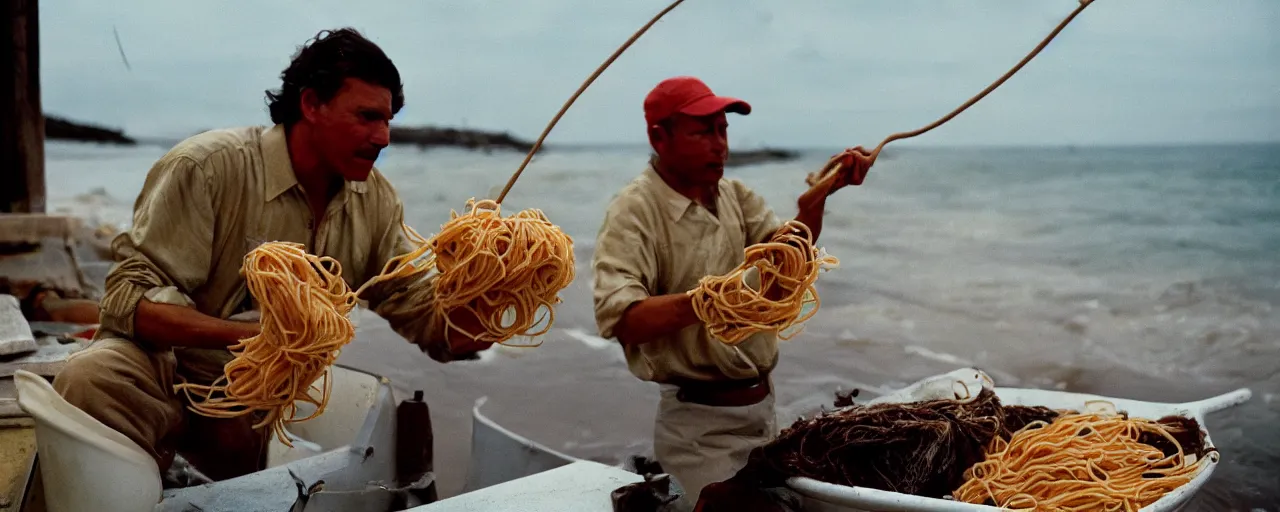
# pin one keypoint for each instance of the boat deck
(17, 448)
(582, 485)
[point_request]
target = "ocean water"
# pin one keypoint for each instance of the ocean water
(1147, 273)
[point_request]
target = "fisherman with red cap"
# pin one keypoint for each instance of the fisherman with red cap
(677, 222)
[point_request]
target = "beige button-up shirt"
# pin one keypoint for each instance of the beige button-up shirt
(655, 241)
(217, 195)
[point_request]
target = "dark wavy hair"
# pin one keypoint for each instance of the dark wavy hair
(323, 64)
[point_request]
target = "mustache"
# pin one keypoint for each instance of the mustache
(369, 154)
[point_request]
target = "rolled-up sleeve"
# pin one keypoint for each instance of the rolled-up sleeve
(169, 244)
(759, 219)
(408, 304)
(623, 266)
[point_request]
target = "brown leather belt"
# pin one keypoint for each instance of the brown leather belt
(730, 393)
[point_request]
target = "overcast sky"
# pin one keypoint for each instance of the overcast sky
(819, 73)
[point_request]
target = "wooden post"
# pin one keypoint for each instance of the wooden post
(22, 188)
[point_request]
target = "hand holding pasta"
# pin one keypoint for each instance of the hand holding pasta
(507, 272)
(786, 268)
(304, 305)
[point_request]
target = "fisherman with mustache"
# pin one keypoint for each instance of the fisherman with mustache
(175, 294)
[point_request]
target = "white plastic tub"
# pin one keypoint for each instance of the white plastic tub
(109, 472)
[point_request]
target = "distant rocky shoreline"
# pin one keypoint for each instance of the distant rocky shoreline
(58, 128)
(759, 156)
(429, 136)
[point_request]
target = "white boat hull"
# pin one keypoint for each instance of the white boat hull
(499, 455)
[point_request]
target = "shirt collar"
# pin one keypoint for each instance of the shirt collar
(280, 177)
(673, 203)
(275, 153)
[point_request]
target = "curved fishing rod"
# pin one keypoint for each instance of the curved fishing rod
(833, 166)
(538, 144)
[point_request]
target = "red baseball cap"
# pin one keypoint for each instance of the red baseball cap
(687, 95)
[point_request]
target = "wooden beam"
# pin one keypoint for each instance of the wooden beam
(22, 187)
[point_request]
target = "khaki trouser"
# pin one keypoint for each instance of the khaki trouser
(700, 444)
(131, 390)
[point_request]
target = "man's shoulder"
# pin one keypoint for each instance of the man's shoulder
(736, 186)
(743, 195)
(633, 209)
(636, 195)
(377, 199)
(204, 146)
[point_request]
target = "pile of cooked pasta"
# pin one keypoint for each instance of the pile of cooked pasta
(772, 290)
(304, 305)
(1086, 461)
(507, 271)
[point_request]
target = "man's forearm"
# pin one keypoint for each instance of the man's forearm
(166, 325)
(655, 317)
(812, 206)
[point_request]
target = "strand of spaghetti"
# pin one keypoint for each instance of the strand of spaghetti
(787, 266)
(304, 307)
(565, 108)
(832, 168)
(1080, 462)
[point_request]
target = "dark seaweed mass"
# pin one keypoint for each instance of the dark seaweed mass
(921, 448)
(1186, 431)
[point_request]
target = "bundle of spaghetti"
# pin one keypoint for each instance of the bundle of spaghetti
(787, 266)
(507, 271)
(504, 270)
(1087, 461)
(304, 304)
